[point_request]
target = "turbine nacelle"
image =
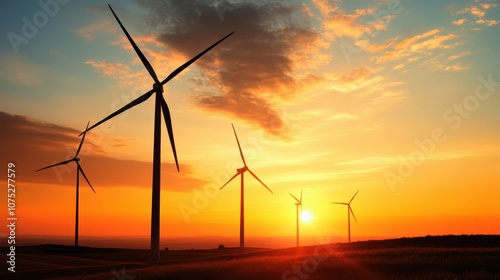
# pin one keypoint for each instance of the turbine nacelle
(241, 170)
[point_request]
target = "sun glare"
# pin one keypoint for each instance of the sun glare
(306, 216)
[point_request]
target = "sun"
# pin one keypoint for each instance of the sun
(306, 216)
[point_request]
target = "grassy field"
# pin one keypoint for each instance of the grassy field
(447, 257)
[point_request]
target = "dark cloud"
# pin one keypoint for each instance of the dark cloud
(32, 145)
(253, 71)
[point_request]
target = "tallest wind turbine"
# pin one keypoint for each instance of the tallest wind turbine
(160, 105)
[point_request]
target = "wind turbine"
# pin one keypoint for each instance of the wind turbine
(79, 168)
(299, 203)
(241, 171)
(160, 105)
(349, 212)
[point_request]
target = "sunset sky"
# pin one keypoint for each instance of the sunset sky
(397, 99)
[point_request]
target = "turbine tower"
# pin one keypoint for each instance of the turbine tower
(299, 203)
(349, 212)
(241, 171)
(160, 106)
(79, 170)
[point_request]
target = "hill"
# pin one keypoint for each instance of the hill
(430, 257)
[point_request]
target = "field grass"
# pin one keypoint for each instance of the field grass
(425, 258)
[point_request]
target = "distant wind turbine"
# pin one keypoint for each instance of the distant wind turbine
(241, 171)
(160, 105)
(349, 212)
(79, 170)
(299, 203)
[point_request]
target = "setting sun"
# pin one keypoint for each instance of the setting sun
(306, 216)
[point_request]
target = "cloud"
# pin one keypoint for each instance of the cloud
(487, 22)
(356, 79)
(117, 71)
(406, 43)
(372, 47)
(104, 25)
(439, 63)
(134, 73)
(425, 44)
(339, 23)
(477, 13)
(399, 66)
(253, 72)
(17, 69)
(368, 86)
(437, 42)
(456, 67)
(412, 59)
(477, 9)
(459, 21)
(32, 145)
(457, 56)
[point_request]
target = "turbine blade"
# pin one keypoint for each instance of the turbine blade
(56, 164)
(81, 142)
(295, 198)
(301, 189)
(168, 123)
(137, 50)
(230, 180)
(343, 203)
(84, 176)
(185, 65)
(353, 196)
(255, 176)
(239, 147)
(350, 209)
(134, 102)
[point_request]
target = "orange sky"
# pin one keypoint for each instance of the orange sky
(332, 98)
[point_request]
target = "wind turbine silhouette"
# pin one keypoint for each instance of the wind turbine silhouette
(160, 105)
(349, 212)
(79, 168)
(241, 171)
(299, 203)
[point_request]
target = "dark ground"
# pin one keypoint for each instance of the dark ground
(431, 257)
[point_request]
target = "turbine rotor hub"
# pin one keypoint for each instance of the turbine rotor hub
(158, 87)
(77, 159)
